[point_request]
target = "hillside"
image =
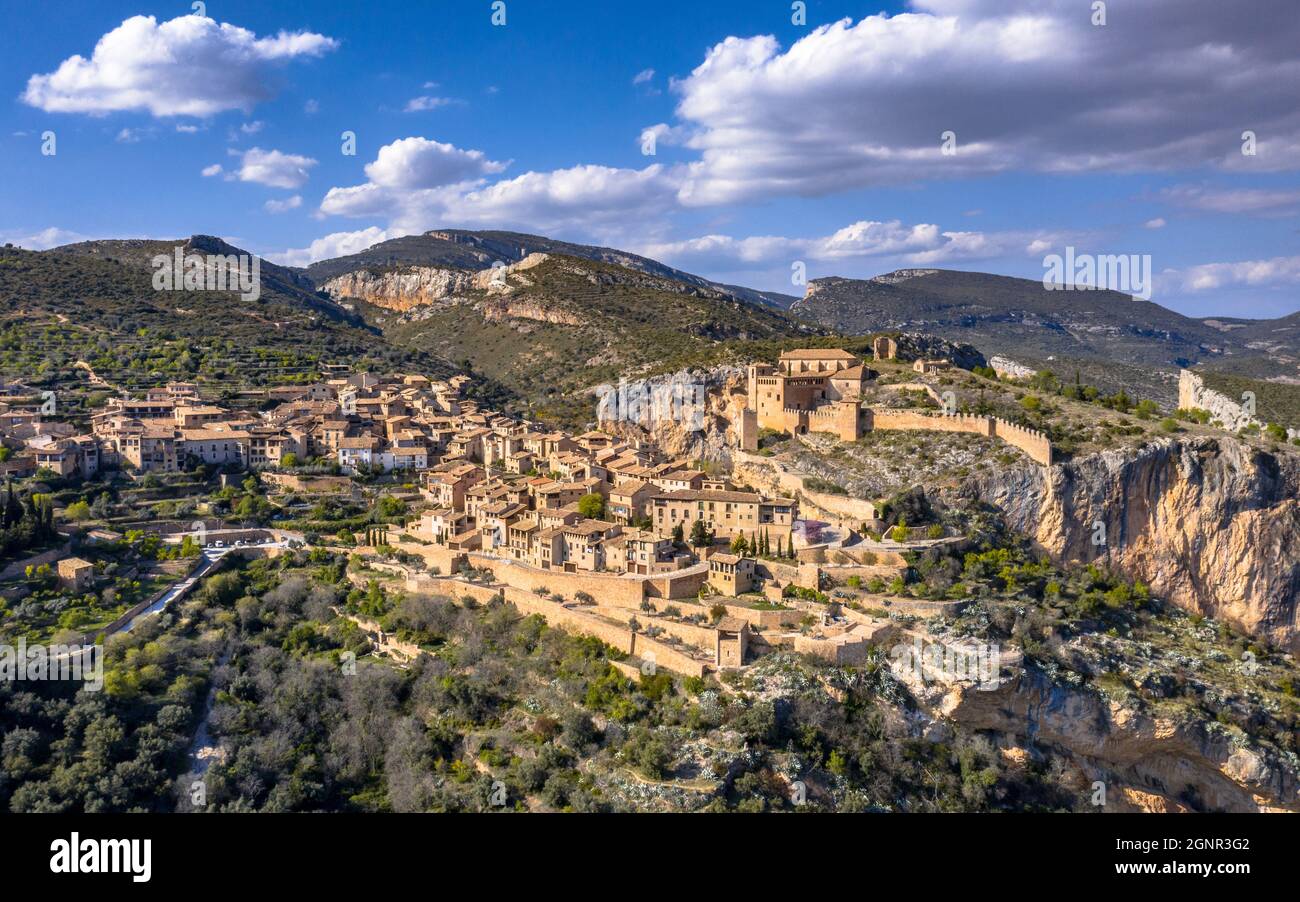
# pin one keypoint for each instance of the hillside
(95, 303)
(463, 249)
(1113, 339)
(552, 326)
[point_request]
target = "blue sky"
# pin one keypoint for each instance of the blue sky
(775, 142)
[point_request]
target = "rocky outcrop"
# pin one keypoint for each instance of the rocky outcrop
(400, 289)
(1211, 524)
(1194, 394)
(1145, 761)
(497, 279)
(690, 413)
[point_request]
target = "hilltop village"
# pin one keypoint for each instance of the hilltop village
(668, 560)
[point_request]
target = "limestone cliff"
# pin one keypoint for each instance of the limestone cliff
(690, 413)
(1212, 524)
(1147, 761)
(400, 289)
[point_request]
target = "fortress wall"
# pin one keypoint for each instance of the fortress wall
(855, 510)
(702, 637)
(605, 588)
(675, 585)
(573, 620)
(884, 418)
(1033, 443)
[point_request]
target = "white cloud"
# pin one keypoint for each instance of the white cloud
(273, 168)
(311, 106)
(921, 244)
(188, 66)
(209, 171)
(252, 128)
(416, 183)
(44, 239)
(643, 76)
(187, 129)
(127, 136)
(336, 244)
(424, 103)
(663, 133)
(1254, 201)
(1157, 223)
(414, 163)
(1023, 84)
(283, 206)
(1274, 272)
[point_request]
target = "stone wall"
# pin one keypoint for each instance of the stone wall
(778, 480)
(1034, 444)
(572, 619)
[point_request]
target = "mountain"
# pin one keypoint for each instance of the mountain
(551, 326)
(1115, 340)
(476, 250)
(93, 304)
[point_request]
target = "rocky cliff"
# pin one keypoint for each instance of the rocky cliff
(690, 413)
(401, 288)
(1146, 761)
(1212, 524)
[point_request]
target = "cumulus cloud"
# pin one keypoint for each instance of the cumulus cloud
(273, 168)
(188, 66)
(921, 244)
(643, 76)
(1273, 272)
(416, 184)
(283, 206)
(209, 171)
(336, 244)
(414, 163)
(1022, 84)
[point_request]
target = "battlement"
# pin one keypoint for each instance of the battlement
(796, 408)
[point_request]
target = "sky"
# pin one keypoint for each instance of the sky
(749, 141)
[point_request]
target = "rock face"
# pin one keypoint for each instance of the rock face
(1146, 762)
(1213, 525)
(689, 413)
(1193, 393)
(400, 289)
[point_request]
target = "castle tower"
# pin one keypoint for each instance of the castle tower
(747, 430)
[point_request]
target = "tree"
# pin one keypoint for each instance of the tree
(679, 535)
(739, 545)
(289, 459)
(592, 506)
(700, 536)
(78, 511)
